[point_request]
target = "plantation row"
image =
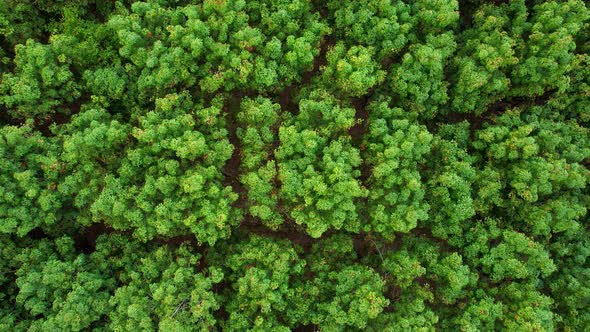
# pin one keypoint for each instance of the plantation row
(371, 165)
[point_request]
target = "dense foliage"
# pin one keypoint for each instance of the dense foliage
(274, 165)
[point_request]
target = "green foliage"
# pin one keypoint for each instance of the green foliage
(348, 295)
(450, 178)
(217, 45)
(258, 120)
(353, 72)
(525, 308)
(421, 274)
(318, 166)
(485, 56)
(447, 277)
(162, 290)
(383, 25)
(571, 286)
(261, 272)
(574, 102)
(121, 285)
(403, 267)
(107, 82)
(533, 169)
(90, 146)
(548, 53)
(41, 84)
(353, 297)
(66, 291)
(170, 181)
(11, 316)
(411, 312)
(418, 80)
(433, 17)
(28, 182)
(395, 146)
(372, 165)
(515, 257)
(479, 314)
(20, 21)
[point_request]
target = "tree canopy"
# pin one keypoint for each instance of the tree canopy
(304, 165)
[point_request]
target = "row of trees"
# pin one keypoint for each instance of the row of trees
(266, 283)
(376, 165)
